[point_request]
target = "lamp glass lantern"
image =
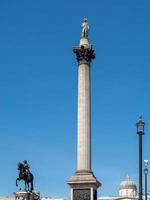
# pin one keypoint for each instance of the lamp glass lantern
(145, 165)
(140, 126)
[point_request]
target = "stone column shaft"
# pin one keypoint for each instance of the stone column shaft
(84, 124)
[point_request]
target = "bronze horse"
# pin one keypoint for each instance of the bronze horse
(27, 177)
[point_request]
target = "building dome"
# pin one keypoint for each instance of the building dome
(127, 184)
(127, 188)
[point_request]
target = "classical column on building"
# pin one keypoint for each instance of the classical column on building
(84, 184)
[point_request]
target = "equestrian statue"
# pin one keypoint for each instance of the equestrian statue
(25, 175)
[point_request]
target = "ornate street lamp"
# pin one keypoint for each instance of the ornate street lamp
(140, 131)
(145, 173)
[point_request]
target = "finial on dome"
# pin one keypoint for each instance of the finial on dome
(127, 177)
(85, 28)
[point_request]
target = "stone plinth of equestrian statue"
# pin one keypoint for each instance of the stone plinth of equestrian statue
(28, 192)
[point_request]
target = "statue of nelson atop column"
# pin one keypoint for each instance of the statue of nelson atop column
(85, 28)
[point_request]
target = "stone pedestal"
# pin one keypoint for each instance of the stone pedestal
(25, 195)
(83, 186)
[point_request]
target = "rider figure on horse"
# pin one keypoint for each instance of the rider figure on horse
(26, 167)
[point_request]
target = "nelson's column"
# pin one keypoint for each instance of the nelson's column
(84, 184)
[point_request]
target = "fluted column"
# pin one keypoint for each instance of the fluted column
(85, 54)
(84, 126)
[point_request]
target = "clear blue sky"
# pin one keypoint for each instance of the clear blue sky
(38, 90)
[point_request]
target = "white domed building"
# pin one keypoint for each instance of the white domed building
(127, 191)
(128, 188)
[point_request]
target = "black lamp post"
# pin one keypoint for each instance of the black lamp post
(140, 131)
(145, 173)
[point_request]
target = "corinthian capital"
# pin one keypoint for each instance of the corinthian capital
(84, 54)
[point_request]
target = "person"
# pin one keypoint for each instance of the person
(85, 28)
(26, 166)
